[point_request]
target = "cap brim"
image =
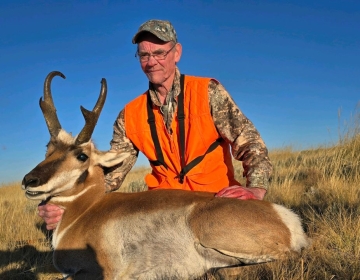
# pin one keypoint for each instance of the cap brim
(136, 36)
(159, 36)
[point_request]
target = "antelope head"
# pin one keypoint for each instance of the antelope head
(69, 161)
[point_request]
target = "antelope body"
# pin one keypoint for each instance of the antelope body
(159, 234)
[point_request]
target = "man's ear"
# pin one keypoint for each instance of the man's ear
(110, 158)
(178, 52)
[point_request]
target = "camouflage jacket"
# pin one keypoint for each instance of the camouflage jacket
(232, 125)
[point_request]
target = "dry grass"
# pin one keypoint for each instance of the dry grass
(321, 185)
(24, 247)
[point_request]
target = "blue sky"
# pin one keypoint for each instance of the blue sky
(289, 65)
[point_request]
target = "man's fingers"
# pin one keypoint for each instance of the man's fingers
(230, 194)
(48, 207)
(237, 192)
(51, 227)
(229, 189)
(232, 191)
(225, 191)
(51, 214)
(52, 220)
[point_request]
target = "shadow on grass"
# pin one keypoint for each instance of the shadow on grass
(24, 260)
(27, 262)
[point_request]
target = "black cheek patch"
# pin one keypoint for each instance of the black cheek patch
(82, 177)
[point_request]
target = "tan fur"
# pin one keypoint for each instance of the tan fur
(155, 234)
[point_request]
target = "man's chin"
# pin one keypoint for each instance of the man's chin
(155, 79)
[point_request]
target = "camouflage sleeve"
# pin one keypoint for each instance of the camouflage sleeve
(116, 175)
(246, 143)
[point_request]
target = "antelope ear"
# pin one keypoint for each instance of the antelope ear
(109, 159)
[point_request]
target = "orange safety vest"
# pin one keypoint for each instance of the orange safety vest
(211, 169)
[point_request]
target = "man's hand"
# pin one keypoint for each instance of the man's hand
(51, 214)
(243, 193)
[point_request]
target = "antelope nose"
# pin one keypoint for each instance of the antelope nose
(30, 182)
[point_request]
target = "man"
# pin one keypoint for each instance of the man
(185, 126)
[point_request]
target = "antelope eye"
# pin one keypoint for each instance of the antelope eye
(82, 157)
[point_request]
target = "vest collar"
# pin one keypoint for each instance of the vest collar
(175, 89)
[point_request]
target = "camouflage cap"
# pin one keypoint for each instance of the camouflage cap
(162, 29)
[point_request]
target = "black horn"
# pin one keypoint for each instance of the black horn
(91, 117)
(47, 105)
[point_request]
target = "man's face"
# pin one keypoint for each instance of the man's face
(158, 71)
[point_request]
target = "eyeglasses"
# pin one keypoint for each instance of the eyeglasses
(161, 55)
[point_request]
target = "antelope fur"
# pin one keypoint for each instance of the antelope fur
(159, 234)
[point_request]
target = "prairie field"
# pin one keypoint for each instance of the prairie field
(320, 184)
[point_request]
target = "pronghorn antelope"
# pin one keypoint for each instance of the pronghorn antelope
(159, 234)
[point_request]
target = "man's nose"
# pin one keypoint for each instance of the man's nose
(152, 61)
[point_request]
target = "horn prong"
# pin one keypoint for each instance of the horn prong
(91, 117)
